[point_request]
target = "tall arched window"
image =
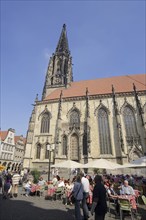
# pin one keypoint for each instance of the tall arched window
(38, 151)
(85, 150)
(74, 147)
(64, 147)
(74, 119)
(129, 121)
(104, 132)
(46, 152)
(45, 123)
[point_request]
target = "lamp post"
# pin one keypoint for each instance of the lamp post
(50, 148)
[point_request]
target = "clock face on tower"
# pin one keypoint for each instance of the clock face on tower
(58, 81)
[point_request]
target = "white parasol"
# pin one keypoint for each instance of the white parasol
(102, 164)
(140, 162)
(70, 164)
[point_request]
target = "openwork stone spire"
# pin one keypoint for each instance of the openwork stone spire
(59, 73)
(62, 46)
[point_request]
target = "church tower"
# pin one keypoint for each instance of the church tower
(59, 72)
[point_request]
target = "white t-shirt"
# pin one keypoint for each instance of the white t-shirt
(61, 184)
(127, 190)
(85, 183)
(28, 185)
(41, 182)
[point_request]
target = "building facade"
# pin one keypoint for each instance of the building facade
(11, 150)
(19, 151)
(86, 120)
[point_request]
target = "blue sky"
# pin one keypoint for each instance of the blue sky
(106, 38)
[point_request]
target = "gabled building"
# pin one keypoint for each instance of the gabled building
(11, 150)
(7, 147)
(86, 120)
(19, 151)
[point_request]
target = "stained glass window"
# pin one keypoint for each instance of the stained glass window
(45, 124)
(129, 121)
(74, 119)
(38, 151)
(46, 153)
(104, 132)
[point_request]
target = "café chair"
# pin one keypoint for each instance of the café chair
(41, 191)
(143, 199)
(59, 193)
(125, 206)
(111, 206)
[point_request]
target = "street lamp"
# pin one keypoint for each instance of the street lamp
(50, 148)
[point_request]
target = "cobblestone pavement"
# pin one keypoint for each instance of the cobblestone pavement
(37, 208)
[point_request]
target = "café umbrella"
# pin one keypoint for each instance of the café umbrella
(102, 164)
(139, 163)
(70, 164)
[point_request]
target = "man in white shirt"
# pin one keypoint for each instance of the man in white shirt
(85, 183)
(126, 189)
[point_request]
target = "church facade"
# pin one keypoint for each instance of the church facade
(85, 120)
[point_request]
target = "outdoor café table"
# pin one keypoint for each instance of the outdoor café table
(51, 190)
(33, 188)
(130, 198)
(137, 193)
(38, 188)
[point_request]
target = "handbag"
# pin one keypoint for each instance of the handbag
(73, 199)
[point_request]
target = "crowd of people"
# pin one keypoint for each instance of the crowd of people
(92, 192)
(9, 184)
(89, 192)
(10, 181)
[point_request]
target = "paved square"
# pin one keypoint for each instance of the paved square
(37, 208)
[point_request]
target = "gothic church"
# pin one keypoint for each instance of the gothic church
(86, 120)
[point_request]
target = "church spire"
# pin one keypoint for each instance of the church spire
(59, 73)
(63, 42)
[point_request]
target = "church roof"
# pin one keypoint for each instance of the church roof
(101, 86)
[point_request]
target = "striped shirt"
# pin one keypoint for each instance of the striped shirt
(15, 179)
